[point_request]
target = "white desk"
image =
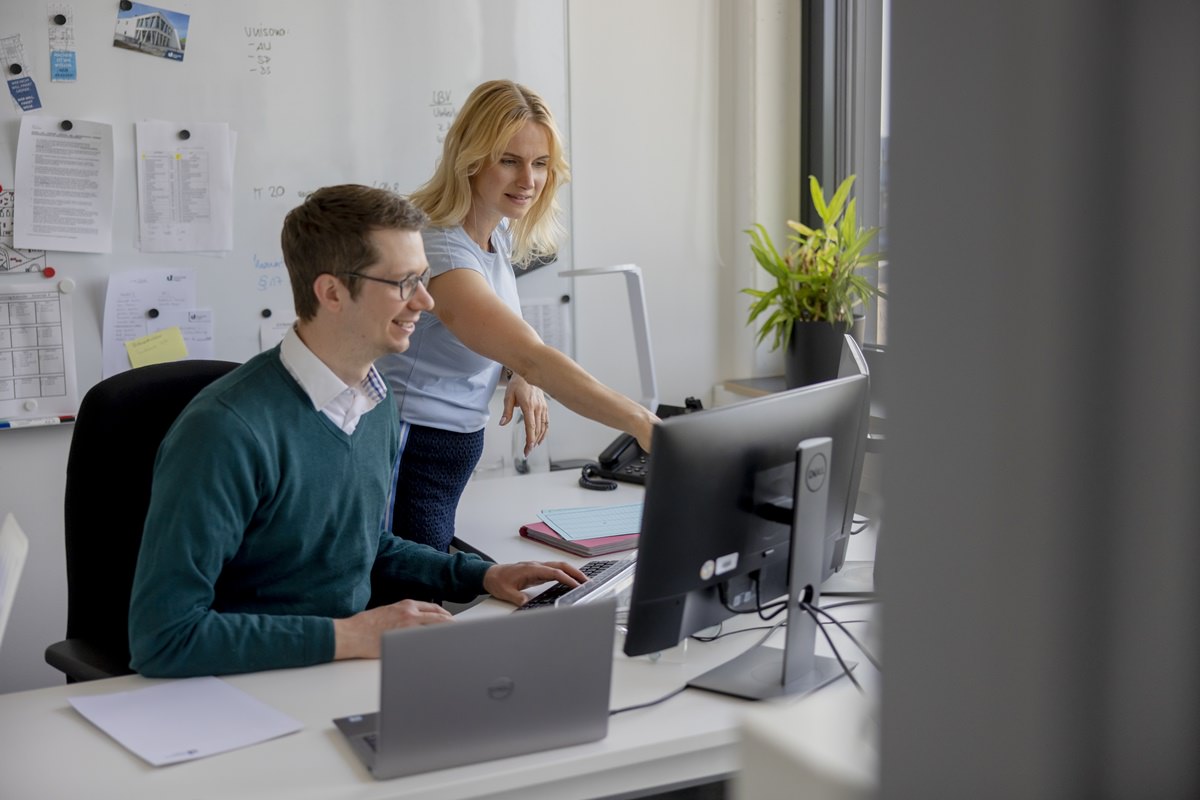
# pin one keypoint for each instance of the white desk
(494, 509)
(48, 751)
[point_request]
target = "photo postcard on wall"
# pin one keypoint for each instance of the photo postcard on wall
(152, 30)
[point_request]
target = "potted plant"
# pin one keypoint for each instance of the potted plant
(817, 285)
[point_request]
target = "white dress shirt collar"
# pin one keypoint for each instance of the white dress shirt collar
(330, 395)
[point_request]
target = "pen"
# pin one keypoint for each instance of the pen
(36, 422)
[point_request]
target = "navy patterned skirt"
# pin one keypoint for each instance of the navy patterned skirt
(434, 468)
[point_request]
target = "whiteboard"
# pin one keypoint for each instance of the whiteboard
(317, 92)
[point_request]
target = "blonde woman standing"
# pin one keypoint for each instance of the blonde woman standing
(492, 204)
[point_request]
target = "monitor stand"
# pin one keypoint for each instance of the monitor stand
(764, 672)
(757, 674)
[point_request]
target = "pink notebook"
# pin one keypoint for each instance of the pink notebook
(541, 532)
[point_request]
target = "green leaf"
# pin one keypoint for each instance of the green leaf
(839, 199)
(818, 199)
(800, 228)
(849, 221)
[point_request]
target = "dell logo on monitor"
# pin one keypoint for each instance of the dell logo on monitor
(814, 472)
(501, 688)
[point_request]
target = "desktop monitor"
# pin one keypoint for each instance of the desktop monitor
(853, 362)
(717, 523)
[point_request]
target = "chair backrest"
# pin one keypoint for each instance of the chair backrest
(120, 424)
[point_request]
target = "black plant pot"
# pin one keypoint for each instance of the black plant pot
(813, 353)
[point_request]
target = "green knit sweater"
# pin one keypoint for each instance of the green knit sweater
(265, 524)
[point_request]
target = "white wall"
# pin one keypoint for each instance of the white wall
(644, 161)
(662, 129)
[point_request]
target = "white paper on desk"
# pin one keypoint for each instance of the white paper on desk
(130, 297)
(64, 186)
(184, 719)
(195, 324)
(593, 522)
(185, 186)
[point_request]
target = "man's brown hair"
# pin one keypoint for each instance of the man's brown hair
(330, 233)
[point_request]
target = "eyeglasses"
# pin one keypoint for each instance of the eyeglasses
(406, 286)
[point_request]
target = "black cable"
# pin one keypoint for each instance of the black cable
(712, 638)
(874, 661)
(662, 699)
(809, 608)
(858, 602)
(778, 608)
(590, 478)
(775, 608)
(852, 622)
(724, 598)
(723, 634)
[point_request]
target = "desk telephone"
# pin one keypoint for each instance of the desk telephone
(625, 460)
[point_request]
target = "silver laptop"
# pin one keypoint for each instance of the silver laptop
(478, 689)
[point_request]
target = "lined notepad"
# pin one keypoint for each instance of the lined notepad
(593, 522)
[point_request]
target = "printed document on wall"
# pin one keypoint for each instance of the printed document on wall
(134, 300)
(13, 259)
(549, 317)
(64, 185)
(37, 352)
(185, 186)
(195, 325)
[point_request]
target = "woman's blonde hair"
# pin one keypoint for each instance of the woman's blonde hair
(494, 112)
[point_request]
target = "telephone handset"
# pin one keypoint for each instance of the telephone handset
(625, 460)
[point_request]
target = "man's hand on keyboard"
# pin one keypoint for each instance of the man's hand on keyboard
(505, 581)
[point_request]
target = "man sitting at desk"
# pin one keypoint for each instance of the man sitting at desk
(266, 529)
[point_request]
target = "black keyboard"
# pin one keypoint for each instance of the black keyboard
(547, 598)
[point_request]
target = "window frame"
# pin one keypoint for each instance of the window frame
(842, 117)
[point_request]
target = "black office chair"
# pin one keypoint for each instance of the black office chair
(120, 424)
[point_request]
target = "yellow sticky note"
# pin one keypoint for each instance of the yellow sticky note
(157, 348)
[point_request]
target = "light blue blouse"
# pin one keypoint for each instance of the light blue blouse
(439, 382)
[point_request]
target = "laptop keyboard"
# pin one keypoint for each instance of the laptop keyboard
(599, 574)
(591, 569)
